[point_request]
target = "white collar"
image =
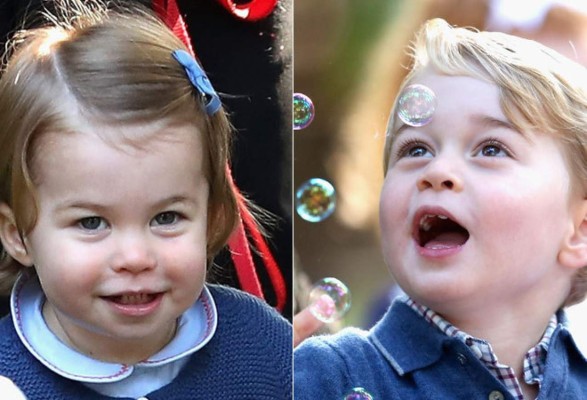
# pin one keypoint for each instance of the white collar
(196, 326)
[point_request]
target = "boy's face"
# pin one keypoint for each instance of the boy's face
(473, 212)
(120, 241)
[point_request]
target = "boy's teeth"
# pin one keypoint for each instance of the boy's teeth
(426, 225)
(425, 222)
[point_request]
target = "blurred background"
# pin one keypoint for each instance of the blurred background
(350, 57)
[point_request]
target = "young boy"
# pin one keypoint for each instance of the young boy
(483, 219)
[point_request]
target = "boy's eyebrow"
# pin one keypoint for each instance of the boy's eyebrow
(400, 129)
(493, 122)
(479, 119)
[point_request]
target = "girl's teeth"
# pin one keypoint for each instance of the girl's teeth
(139, 298)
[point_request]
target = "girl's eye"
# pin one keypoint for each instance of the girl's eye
(92, 223)
(166, 218)
(493, 148)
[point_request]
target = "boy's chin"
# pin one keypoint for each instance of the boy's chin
(441, 293)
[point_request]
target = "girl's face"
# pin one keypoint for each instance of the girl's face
(120, 241)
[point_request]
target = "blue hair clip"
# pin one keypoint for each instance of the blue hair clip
(198, 78)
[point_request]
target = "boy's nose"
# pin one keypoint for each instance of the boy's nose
(134, 255)
(440, 175)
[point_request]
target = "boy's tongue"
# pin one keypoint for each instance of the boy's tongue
(446, 240)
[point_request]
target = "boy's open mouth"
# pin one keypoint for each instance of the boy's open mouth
(437, 231)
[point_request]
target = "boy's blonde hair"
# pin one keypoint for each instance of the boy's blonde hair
(107, 68)
(539, 90)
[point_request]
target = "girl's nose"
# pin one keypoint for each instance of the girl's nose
(135, 254)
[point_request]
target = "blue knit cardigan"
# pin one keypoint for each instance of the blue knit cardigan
(249, 357)
(406, 358)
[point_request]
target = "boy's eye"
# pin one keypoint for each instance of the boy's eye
(417, 151)
(491, 151)
(166, 218)
(413, 149)
(92, 223)
(493, 148)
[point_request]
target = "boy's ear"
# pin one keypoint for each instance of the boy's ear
(10, 236)
(573, 253)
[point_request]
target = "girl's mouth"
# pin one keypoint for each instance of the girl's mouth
(133, 298)
(135, 304)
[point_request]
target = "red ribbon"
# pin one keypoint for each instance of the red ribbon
(254, 10)
(238, 243)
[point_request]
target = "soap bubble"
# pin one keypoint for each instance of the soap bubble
(330, 299)
(303, 111)
(358, 394)
(315, 200)
(416, 105)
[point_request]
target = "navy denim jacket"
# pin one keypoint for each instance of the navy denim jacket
(405, 358)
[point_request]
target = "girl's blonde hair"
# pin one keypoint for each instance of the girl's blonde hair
(539, 90)
(108, 68)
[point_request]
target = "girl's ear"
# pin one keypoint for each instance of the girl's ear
(10, 236)
(573, 253)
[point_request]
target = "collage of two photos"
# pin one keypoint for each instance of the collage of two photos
(279, 199)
